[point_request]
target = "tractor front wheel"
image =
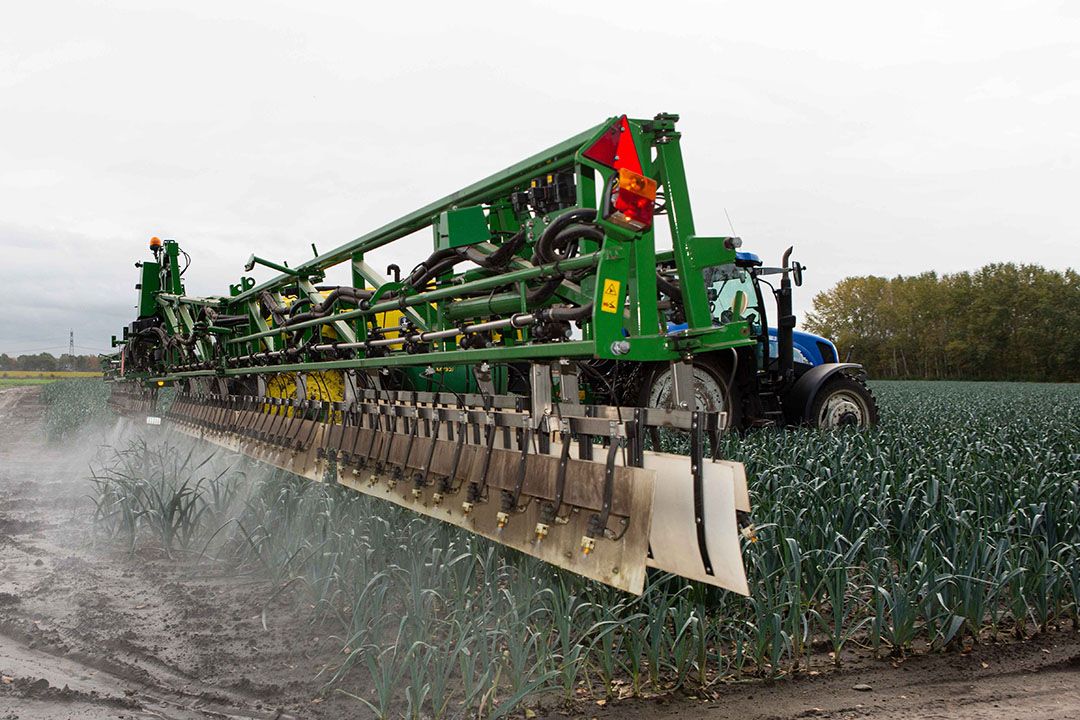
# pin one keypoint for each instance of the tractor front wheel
(843, 401)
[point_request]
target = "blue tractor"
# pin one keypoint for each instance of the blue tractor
(788, 378)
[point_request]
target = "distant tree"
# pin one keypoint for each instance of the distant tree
(1003, 321)
(41, 362)
(45, 362)
(88, 363)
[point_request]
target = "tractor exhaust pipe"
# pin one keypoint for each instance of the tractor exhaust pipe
(785, 322)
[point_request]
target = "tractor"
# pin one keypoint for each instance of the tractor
(516, 381)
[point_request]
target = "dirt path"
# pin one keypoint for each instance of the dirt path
(94, 634)
(1035, 680)
(88, 633)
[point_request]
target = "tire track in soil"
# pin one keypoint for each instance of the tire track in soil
(92, 634)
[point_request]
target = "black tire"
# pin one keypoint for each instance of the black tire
(843, 401)
(715, 391)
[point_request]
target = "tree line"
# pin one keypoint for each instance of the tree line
(47, 362)
(1001, 322)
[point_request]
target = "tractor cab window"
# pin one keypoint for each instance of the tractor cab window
(731, 293)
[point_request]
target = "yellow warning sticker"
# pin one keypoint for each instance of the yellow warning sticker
(609, 302)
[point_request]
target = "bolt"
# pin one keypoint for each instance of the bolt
(620, 347)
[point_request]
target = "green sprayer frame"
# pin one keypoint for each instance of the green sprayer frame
(561, 274)
(624, 262)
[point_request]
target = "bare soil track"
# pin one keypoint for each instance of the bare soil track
(96, 633)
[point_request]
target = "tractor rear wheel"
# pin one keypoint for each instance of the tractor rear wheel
(844, 401)
(712, 392)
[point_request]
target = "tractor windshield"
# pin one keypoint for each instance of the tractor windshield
(731, 295)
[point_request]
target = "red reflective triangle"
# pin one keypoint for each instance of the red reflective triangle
(627, 156)
(615, 148)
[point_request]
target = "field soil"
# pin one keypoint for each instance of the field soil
(93, 632)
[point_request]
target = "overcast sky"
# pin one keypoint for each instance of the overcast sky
(876, 140)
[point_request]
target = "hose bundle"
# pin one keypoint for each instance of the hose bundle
(560, 239)
(285, 317)
(442, 261)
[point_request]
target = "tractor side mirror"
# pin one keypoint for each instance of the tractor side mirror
(250, 264)
(796, 273)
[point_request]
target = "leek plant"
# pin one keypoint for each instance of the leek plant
(955, 519)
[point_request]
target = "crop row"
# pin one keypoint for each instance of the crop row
(955, 521)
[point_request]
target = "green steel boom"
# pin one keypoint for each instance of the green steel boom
(632, 334)
(462, 376)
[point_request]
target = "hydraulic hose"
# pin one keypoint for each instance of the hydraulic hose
(289, 316)
(230, 320)
(546, 244)
(538, 295)
(565, 314)
(298, 304)
(441, 261)
(669, 288)
(141, 346)
(418, 281)
(319, 310)
(500, 257)
(271, 307)
(422, 272)
(564, 245)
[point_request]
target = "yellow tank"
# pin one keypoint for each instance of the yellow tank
(326, 386)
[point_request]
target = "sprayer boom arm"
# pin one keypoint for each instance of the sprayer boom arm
(475, 387)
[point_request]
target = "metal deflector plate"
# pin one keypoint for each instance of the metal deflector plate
(742, 488)
(620, 564)
(673, 539)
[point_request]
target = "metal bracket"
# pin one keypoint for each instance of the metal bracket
(683, 384)
(482, 372)
(540, 386)
(697, 457)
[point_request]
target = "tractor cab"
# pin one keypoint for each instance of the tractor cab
(800, 380)
(789, 377)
